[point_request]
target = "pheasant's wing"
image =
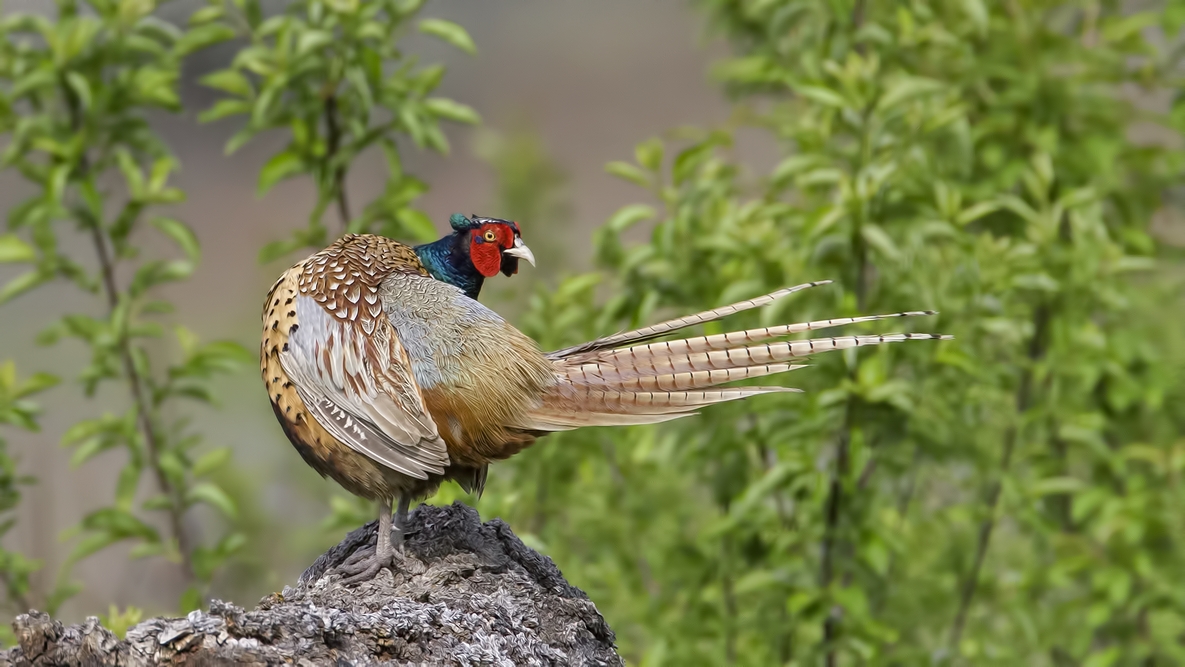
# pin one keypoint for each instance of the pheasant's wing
(360, 387)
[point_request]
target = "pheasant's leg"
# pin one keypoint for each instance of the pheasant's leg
(365, 564)
(400, 529)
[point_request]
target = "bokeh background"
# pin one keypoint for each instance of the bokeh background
(584, 83)
(716, 551)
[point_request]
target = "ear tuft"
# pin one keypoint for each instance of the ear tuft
(459, 222)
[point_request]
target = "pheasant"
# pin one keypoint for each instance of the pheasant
(391, 381)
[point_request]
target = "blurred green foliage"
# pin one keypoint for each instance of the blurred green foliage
(17, 410)
(1010, 497)
(75, 90)
(532, 187)
(332, 76)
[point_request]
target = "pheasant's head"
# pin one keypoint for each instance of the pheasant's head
(494, 244)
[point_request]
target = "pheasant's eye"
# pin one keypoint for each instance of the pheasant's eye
(490, 236)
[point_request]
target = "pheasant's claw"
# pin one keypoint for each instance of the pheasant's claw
(363, 565)
(358, 556)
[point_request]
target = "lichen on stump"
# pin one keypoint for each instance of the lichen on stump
(464, 593)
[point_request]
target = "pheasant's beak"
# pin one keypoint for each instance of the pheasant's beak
(521, 251)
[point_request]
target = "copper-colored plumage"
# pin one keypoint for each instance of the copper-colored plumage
(344, 278)
(391, 382)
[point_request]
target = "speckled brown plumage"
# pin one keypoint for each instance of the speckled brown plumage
(344, 278)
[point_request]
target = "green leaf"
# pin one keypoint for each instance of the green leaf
(14, 249)
(449, 32)
(224, 108)
(796, 164)
(690, 159)
(649, 154)
(119, 523)
(282, 165)
(450, 110)
(211, 461)
(629, 172)
(907, 88)
(312, 40)
(207, 14)
(821, 95)
(977, 211)
(181, 234)
(880, 241)
(198, 38)
(89, 449)
(127, 484)
(630, 215)
(132, 174)
(210, 494)
(92, 544)
(264, 105)
(148, 549)
(417, 223)
(81, 88)
(228, 80)
(1041, 282)
(239, 139)
(978, 14)
(21, 284)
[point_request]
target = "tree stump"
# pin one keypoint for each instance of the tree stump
(464, 593)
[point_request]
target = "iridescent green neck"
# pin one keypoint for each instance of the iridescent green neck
(448, 261)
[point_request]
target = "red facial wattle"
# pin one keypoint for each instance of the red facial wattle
(485, 248)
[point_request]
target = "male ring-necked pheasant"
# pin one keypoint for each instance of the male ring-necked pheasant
(389, 378)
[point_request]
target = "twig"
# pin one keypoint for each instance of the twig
(1041, 317)
(333, 139)
(135, 382)
(143, 414)
(857, 20)
(15, 595)
(835, 499)
(730, 601)
(830, 533)
(768, 458)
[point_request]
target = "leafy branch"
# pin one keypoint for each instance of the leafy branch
(333, 77)
(75, 94)
(19, 411)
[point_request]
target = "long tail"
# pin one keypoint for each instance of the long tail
(602, 383)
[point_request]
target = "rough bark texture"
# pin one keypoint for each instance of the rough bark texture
(464, 594)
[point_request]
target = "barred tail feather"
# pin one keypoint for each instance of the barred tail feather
(589, 407)
(601, 383)
(739, 338)
(663, 328)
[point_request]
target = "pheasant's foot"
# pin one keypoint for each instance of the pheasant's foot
(364, 565)
(365, 553)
